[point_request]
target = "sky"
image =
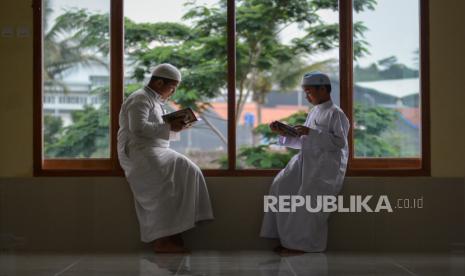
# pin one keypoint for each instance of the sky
(393, 30)
(393, 26)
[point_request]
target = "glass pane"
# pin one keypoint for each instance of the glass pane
(76, 79)
(277, 45)
(192, 36)
(386, 80)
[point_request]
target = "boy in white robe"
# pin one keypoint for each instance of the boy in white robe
(318, 169)
(169, 190)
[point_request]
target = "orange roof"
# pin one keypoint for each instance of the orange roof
(269, 114)
(411, 114)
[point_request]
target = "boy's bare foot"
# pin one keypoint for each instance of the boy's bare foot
(278, 249)
(167, 245)
(177, 239)
(290, 252)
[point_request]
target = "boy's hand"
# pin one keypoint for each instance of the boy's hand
(302, 130)
(274, 128)
(177, 125)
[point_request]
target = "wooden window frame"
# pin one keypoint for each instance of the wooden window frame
(386, 166)
(110, 166)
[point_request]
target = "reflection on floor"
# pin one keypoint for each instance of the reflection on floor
(233, 263)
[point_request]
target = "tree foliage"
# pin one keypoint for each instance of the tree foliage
(87, 135)
(385, 69)
(76, 39)
(371, 122)
(198, 46)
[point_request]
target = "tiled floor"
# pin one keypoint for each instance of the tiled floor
(233, 263)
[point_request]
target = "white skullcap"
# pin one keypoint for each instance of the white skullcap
(168, 71)
(315, 78)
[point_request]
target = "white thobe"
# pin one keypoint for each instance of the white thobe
(169, 190)
(318, 169)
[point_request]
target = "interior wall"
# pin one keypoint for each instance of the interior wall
(16, 91)
(97, 214)
(447, 38)
(447, 28)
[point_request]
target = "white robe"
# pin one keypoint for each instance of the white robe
(169, 190)
(318, 169)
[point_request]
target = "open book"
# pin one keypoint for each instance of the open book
(186, 114)
(289, 130)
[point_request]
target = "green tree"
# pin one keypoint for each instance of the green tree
(385, 69)
(72, 41)
(370, 124)
(87, 135)
(52, 130)
(199, 49)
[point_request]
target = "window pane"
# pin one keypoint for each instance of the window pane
(192, 36)
(76, 79)
(277, 44)
(386, 80)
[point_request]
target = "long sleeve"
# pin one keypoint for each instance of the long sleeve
(332, 138)
(291, 142)
(139, 124)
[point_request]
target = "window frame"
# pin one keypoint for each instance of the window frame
(386, 166)
(111, 167)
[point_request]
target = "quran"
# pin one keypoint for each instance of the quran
(289, 130)
(186, 115)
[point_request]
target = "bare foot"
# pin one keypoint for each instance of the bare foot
(167, 245)
(177, 239)
(291, 252)
(278, 249)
